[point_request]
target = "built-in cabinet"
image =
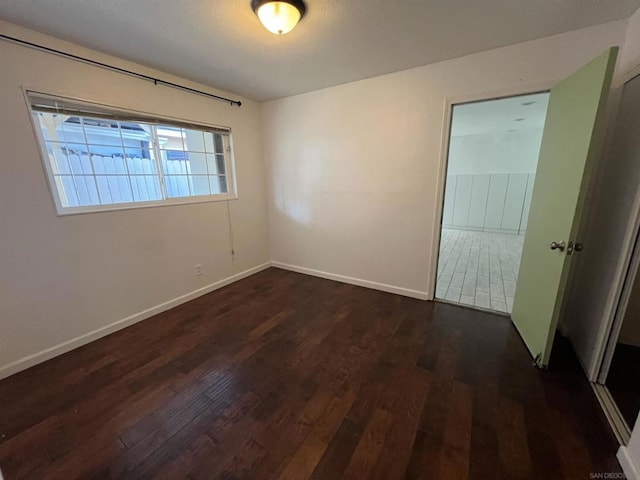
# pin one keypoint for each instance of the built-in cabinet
(496, 202)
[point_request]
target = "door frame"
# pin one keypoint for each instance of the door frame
(441, 175)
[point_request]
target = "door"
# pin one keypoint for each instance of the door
(568, 143)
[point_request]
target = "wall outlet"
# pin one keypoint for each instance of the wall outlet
(198, 269)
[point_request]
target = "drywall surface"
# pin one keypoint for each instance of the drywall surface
(64, 277)
(630, 53)
(354, 171)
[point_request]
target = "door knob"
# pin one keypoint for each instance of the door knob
(557, 246)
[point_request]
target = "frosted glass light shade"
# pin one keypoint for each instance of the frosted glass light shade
(279, 17)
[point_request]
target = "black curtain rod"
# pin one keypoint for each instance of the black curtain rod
(156, 81)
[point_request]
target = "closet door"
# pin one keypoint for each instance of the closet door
(495, 201)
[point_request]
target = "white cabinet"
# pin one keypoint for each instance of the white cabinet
(488, 202)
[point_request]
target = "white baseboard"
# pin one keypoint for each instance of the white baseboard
(629, 467)
(64, 347)
(407, 292)
(34, 359)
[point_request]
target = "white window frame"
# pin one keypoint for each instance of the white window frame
(61, 210)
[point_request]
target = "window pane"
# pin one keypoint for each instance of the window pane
(215, 163)
(146, 188)
(140, 161)
(177, 185)
(58, 158)
(104, 165)
(219, 143)
(170, 138)
(175, 164)
(86, 190)
(218, 184)
(136, 135)
(52, 127)
(197, 163)
(97, 131)
(208, 142)
(67, 190)
(200, 185)
(114, 189)
(193, 140)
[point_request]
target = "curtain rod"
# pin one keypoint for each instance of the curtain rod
(156, 81)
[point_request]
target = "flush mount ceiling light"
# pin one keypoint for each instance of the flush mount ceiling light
(279, 16)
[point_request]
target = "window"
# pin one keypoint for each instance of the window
(102, 159)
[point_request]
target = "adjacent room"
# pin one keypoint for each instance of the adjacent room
(492, 158)
(317, 239)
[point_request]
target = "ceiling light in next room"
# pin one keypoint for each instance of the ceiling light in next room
(281, 16)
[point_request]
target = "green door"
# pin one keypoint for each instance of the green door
(568, 143)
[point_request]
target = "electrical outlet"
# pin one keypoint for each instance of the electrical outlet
(198, 269)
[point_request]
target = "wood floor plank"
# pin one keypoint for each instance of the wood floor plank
(370, 446)
(283, 375)
(309, 453)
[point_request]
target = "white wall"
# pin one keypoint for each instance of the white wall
(630, 55)
(354, 170)
(499, 152)
(53, 289)
(629, 455)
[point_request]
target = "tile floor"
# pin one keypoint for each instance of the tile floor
(479, 268)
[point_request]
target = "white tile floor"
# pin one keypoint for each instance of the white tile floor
(479, 268)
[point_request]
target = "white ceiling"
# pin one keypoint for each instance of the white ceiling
(499, 116)
(221, 42)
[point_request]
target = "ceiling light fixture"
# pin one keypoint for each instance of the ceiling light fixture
(279, 16)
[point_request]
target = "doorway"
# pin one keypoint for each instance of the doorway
(492, 159)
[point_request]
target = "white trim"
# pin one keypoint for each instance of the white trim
(614, 417)
(117, 207)
(629, 467)
(438, 208)
(441, 174)
(407, 292)
(34, 359)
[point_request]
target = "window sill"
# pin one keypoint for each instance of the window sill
(114, 207)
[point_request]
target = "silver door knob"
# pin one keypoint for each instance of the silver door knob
(557, 246)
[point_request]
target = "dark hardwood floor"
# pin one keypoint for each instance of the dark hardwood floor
(283, 375)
